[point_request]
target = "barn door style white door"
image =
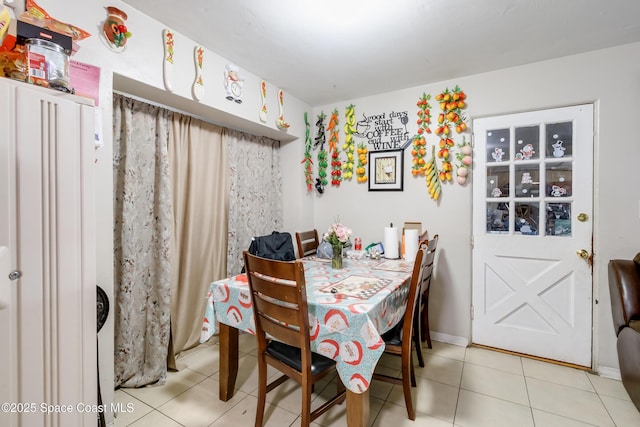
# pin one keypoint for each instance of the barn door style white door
(532, 229)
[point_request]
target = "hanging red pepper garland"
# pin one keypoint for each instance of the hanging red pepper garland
(308, 171)
(424, 114)
(419, 150)
(336, 164)
(321, 180)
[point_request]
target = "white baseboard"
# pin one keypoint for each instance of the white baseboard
(603, 371)
(609, 372)
(449, 339)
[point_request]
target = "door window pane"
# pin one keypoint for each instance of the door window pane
(526, 216)
(497, 217)
(558, 222)
(527, 180)
(559, 179)
(498, 181)
(498, 145)
(559, 141)
(527, 141)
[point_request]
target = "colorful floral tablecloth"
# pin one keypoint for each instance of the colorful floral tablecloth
(368, 298)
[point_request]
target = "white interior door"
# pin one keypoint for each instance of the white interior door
(47, 314)
(532, 208)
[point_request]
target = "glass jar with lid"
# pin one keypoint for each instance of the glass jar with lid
(48, 62)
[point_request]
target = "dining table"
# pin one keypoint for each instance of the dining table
(349, 309)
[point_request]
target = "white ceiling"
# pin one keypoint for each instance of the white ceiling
(324, 51)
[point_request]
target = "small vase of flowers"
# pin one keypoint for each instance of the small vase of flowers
(337, 235)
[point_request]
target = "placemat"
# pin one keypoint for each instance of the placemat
(395, 265)
(362, 287)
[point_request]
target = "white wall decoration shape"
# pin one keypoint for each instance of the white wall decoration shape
(167, 62)
(198, 84)
(280, 121)
(263, 108)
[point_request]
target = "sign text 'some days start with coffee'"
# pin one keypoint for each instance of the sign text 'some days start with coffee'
(386, 131)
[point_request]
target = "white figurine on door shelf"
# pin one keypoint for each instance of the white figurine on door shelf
(233, 83)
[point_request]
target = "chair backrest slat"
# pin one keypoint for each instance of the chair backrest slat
(280, 333)
(428, 264)
(307, 242)
(271, 309)
(281, 290)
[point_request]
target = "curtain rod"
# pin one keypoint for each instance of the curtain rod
(172, 109)
(186, 113)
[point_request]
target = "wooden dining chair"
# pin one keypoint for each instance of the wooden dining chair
(426, 285)
(421, 315)
(279, 297)
(307, 242)
(399, 340)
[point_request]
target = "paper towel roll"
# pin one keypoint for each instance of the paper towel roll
(391, 242)
(411, 238)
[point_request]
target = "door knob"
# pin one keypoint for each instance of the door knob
(582, 253)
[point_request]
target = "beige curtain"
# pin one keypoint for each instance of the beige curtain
(255, 193)
(176, 230)
(142, 242)
(200, 187)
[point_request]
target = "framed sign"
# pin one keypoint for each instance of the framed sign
(385, 170)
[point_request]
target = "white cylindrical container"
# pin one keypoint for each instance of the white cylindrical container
(411, 238)
(391, 243)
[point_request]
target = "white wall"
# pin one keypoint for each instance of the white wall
(609, 78)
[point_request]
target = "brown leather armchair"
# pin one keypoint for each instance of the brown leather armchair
(624, 286)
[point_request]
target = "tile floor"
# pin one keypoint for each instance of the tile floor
(459, 386)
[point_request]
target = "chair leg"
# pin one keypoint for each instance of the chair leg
(413, 372)
(306, 404)
(416, 338)
(407, 372)
(425, 323)
(262, 392)
(423, 306)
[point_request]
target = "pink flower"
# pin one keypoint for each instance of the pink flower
(337, 233)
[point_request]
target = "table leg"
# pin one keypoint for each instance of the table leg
(357, 409)
(228, 343)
